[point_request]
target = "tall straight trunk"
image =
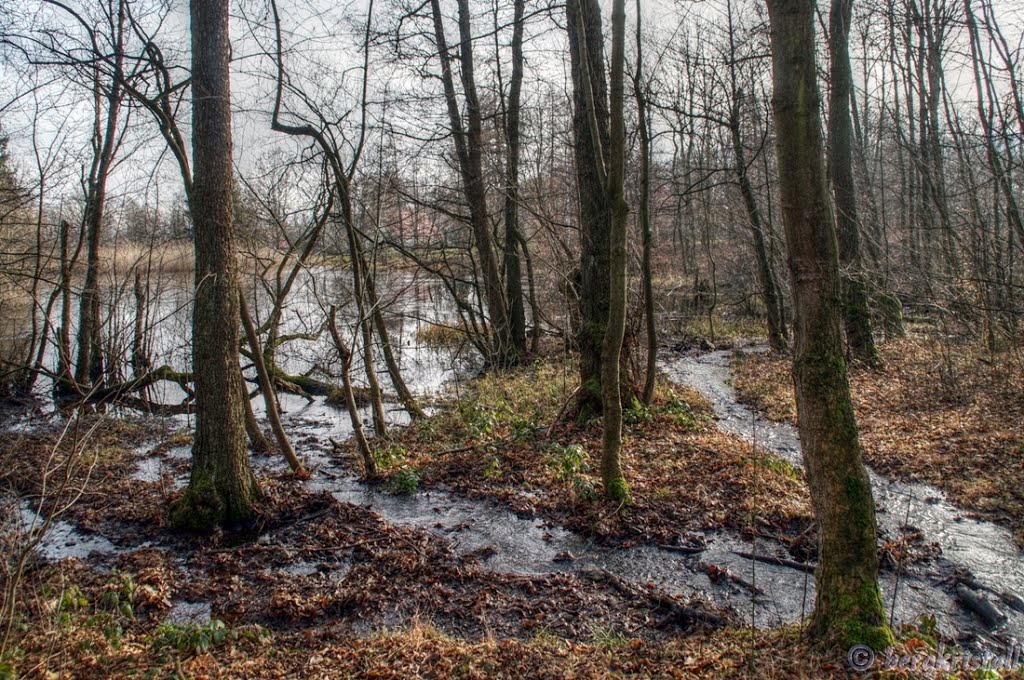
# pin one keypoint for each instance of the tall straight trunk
(615, 486)
(590, 125)
(644, 133)
(856, 315)
(848, 605)
(987, 107)
(513, 269)
(762, 257)
(469, 145)
(89, 363)
(221, 487)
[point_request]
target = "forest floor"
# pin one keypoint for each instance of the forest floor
(322, 588)
(941, 411)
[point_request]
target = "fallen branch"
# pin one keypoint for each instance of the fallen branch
(778, 561)
(678, 612)
(980, 605)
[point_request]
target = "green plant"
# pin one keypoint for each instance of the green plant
(477, 421)
(389, 455)
(572, 465)
(524, 429)
(637, 412)
(189, 639)
(492, 470)
(779, 465)
(607, 637)
(679, 413)
(406, 480)
(568, 461)
(114, 608)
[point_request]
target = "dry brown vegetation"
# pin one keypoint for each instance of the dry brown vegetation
(941, 411)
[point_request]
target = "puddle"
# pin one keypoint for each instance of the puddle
(189, 613)
(63, 540)
(153, 468)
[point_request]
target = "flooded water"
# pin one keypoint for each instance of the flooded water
(508, 543)
(984, 549)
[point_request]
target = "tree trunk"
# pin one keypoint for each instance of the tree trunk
(513, 270)
(590, 125)
(644, 133)
(615, 486)
(267, 387)
(89, 366)
(848, 606)
(345, 354)
(222, 487)
(469, 143)
(855, 313)
(765, 274)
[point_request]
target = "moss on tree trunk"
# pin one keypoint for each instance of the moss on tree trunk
(848, 607)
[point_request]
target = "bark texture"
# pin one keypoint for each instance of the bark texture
(856, 315)
(615, 486)
(591, 126)
(848, 606)
(221, 487)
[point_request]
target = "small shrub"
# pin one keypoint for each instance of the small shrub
(568, 461)
(679, 413)
(493, 468)
(188, 639)
(406, 480)
(389, 455)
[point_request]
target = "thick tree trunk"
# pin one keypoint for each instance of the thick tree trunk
(848, 604)
(222, 487)
(856, 315)
(590, 125)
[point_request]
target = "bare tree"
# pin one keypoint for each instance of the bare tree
(848, 602)
(222, 487)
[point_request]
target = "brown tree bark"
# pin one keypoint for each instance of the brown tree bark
(513, 268)
(89, 364)
(267, 388)
(644, 133)
(221, 487)
(615, 486)
(856, 315)
(848, 606)
(591, 128)
(469, 144)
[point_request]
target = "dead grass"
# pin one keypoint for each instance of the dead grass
(940, 412)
